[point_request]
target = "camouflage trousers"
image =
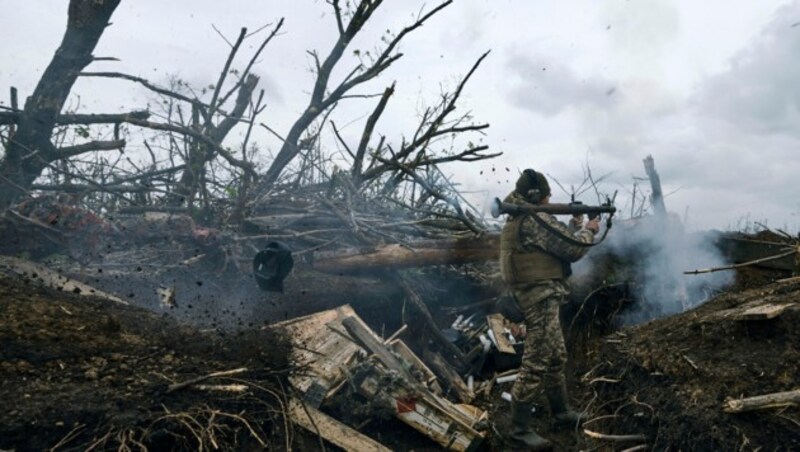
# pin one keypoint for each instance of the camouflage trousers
(545, 354)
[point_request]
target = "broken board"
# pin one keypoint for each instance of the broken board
(764, 312)
(332, 430)
(47, 277)
(497, 325)
(320, 351)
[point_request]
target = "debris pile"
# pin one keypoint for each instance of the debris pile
(343, 365)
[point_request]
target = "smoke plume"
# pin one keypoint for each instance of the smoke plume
(651, 253)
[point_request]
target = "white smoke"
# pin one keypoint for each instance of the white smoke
(652, 254)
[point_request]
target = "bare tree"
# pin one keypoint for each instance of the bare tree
(322, 97)
(209, 123)
(30, 149)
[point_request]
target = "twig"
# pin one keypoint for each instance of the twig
(237, 388)
(613, 438)
(636, 448)
(68, 437)
(744, 264)
(224, 373)
(601, 418)
(691, 363)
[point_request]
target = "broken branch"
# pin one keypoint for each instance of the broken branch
(762, 402)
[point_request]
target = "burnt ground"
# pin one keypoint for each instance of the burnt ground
(81, 373)
(668, 379)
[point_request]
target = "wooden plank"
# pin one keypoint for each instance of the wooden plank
(402, 349)
(39, 274)
(332, 430)
(367, 340)
(497, 325)
(764, 312)
(449, 376)
(319, 349)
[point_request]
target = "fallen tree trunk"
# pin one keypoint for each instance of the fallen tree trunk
(423, 253)
(762, 402)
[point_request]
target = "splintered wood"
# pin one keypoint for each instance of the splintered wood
(331, 345)
(332, 430)
(767, 311)
(497, 326)
(762, 402)
(756, 310)
(49, 278)
(320, 351)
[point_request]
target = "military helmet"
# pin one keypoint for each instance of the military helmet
(533, 185)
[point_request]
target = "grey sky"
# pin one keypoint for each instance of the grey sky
(709, 88)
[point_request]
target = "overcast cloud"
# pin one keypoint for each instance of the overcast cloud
(708, 88)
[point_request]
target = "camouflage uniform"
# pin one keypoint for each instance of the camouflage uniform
(538, 282)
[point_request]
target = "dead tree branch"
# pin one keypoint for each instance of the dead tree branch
(321, 99)
(87, 19)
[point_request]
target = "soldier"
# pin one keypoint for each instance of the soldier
(535, 255)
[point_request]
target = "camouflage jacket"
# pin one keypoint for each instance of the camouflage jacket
(538, 248)
(533, 235)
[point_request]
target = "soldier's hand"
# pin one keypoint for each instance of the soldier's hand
(576, 221)
(593, 225)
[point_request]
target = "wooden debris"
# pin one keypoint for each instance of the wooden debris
(396, 334)
(235, 388)
(762, 402)
(332, 430)
(758, 309)
(223, 373)
(320, 351)
(497, 326)
(764, 312)
(167, 296)
(50, 278)
(636, 448)
(448, 376)
(331, 359)
(743, 264)
(443, 422)
(399, 347)
(367, 340)
(741, 249)
(420, 253)
(613, 438)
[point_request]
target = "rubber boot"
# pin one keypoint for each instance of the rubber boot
(563, 415)
(521, 430)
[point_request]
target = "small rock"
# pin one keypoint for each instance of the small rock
(91, 374)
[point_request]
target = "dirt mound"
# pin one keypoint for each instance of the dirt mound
(80, 373)
(668, 379)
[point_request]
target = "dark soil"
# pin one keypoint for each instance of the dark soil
(80, 373)
(668, 379)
